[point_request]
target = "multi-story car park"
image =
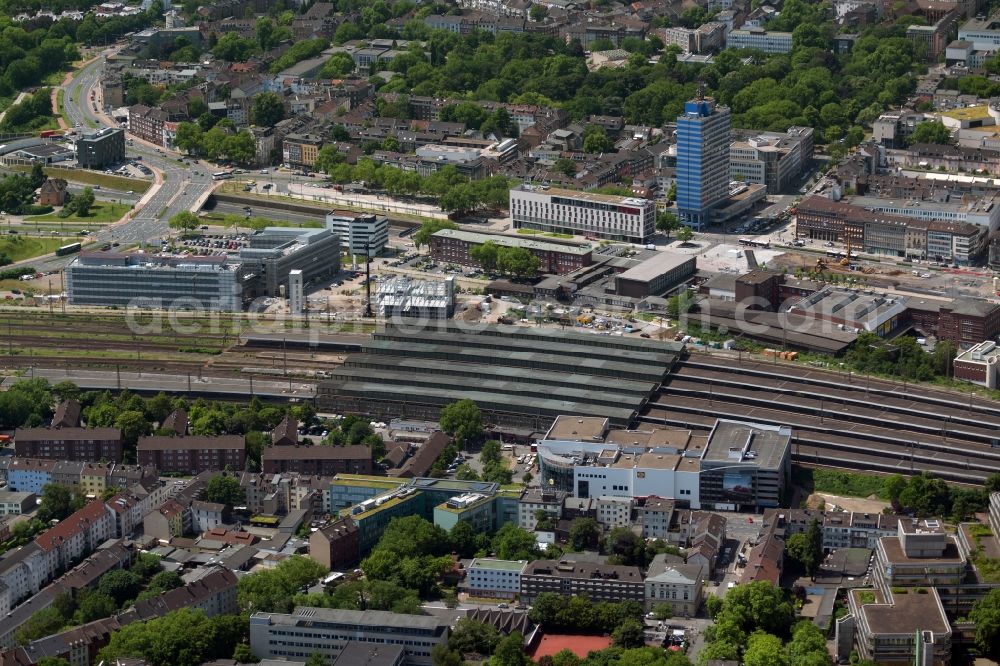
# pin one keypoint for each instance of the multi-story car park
(554, 210)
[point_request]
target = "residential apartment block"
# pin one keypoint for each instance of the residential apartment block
(317, 460)
(85, 444)
(193, 454)
(599, 582)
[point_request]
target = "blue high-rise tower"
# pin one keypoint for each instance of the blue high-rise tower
(702, 160)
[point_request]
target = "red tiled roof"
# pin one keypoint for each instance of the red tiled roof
(67, 529)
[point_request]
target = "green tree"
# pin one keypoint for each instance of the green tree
(487, 254)
(43, 623)
(764, 650)
(563, 165)
(667, 222)
(81, 203)
(267, 109)
(463, 539)
(58, 502)
(327, 158)
(316, 659)
(538, 13)
(271, 590)
(184, 221)
(584, 533)
(184, 637)
(225, 489)
(806, 548)
(430, 227)
(244, 655)
(52, 661)
(413, 536)
(241, 147)
(628, 634)
(596, 140)
(663, 611)
(491, 452)
(120, 586)
(510, 651)
(338, 66)
(685, 234)
(462, 420)
(514, 543)
(133, 425)
(929, 131)
(985, 615)
(518, 262)
(94, 606)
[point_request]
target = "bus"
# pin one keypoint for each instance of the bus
(749, 242)
(68, 249)
(222, 175)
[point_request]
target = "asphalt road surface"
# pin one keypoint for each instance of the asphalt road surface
(182, 185)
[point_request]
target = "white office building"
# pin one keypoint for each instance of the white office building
(984, 33)
(760, 40)
(358, 230)
(496, 579)
(555, 210)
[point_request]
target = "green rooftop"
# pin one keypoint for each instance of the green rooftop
(513, 241)
(968, 113)
(367, 481)
(499, 565)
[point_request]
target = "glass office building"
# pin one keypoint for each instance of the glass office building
(702, 160)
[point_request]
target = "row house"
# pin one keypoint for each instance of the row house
(72, 538)
(87, 574)
(146, 123)
(29, 475)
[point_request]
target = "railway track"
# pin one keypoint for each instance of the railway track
(866, 426)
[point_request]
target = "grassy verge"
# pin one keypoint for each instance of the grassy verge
(101, 211)
(61, 108)
(21, 248)
(845, 484)
(261, 222)
(94, 178)
(236, 188)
